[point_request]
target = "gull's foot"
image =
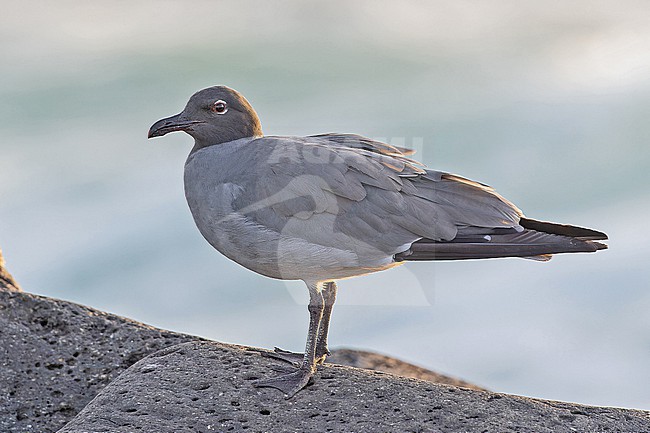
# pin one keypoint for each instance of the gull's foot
(293, 358)
(290, 383)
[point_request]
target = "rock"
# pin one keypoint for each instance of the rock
(375, 361)
(206, 386)
(55, 356)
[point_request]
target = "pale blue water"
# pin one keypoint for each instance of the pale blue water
(549, 105)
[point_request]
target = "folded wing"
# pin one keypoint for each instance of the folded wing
(346, 191)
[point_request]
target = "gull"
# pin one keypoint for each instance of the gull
(326, 207)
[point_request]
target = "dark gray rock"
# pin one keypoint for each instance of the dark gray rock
(206, 387)
(375, 361)
(55, 356)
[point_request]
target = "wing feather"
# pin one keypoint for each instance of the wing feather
(366, 194)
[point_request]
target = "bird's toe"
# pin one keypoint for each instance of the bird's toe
(293, 358)
(289, 384)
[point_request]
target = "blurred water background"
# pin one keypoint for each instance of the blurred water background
(549, 102)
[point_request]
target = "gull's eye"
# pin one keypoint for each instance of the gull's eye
(219, 107)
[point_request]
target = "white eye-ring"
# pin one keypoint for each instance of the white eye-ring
(219, 107)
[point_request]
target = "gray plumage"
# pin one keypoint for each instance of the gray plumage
(332, 206)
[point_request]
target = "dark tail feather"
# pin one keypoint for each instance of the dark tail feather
(529, 243)
(563, 230)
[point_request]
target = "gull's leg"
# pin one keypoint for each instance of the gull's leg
(329, 297)
(291, 383)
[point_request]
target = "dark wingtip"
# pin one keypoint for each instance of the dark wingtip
(599, 245)
(581, 233)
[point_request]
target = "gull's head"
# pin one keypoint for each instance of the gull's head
(212, 116)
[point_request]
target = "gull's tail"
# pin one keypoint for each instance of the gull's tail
(539, 240)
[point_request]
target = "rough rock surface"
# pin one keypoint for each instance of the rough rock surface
(55, 356)
(375, 361)
(206, 386)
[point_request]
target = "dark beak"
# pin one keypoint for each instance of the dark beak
(171, 124)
